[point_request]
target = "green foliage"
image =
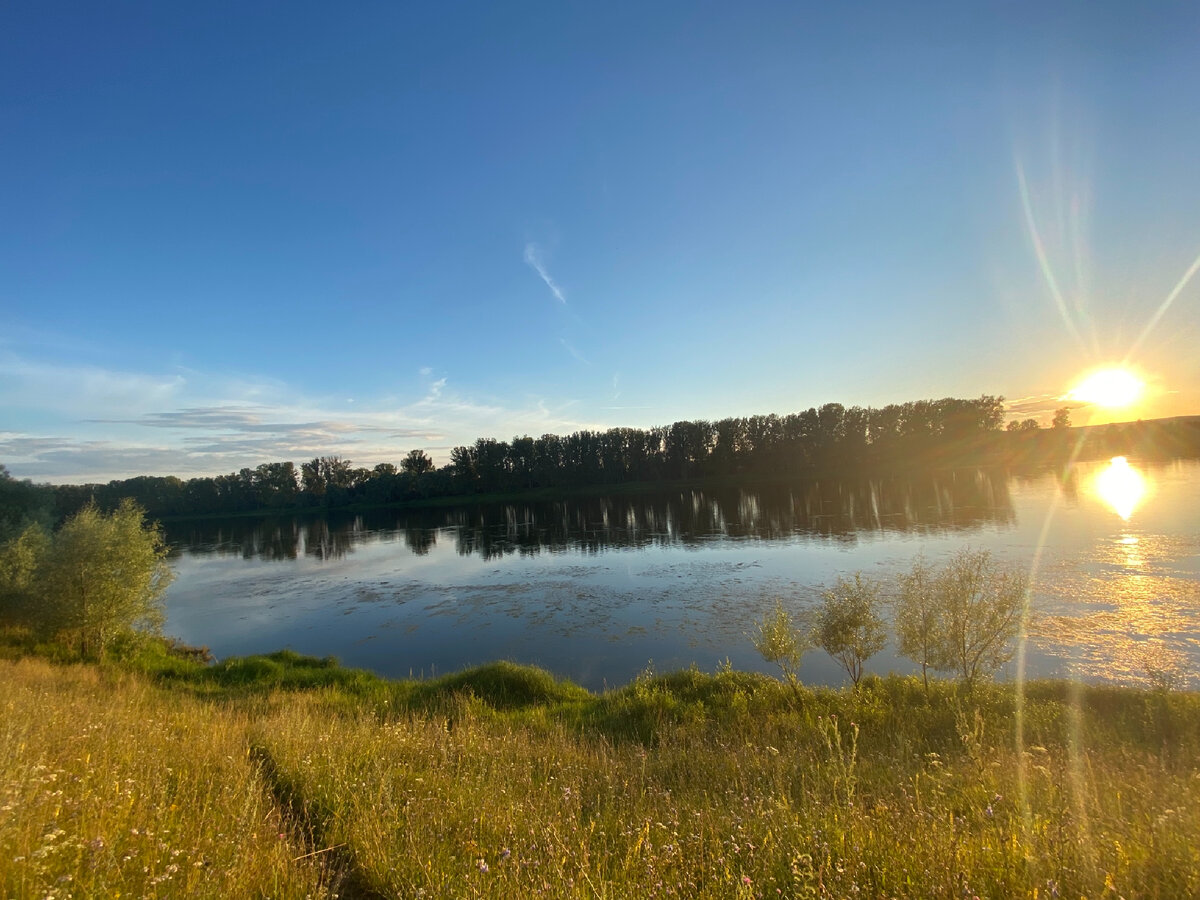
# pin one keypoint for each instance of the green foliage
(779, 640)
(653, 706)
(159, 657)
(504, 685)
(962, 618)
(101, 575)
(916, 616)
(416, 462)
(22, 503)
(847, 624)
(19, 560)
(288, 670)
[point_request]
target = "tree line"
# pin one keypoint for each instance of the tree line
(833, 438)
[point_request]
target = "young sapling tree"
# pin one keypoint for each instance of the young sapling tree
(916, 615)
(847, 624)
(780, 641)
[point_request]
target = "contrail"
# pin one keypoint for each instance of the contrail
(533, 257)
(575, 353)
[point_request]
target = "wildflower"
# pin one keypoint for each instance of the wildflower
(746, 880)
(505, 853)
(481, 865)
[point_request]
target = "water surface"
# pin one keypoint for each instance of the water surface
(598, 589)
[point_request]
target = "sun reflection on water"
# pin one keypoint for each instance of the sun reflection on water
(1121, 619)
(1129, 547)
(1121, 486)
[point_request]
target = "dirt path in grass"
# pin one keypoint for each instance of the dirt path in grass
(310, 833)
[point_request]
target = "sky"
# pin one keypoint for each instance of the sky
(249, 232)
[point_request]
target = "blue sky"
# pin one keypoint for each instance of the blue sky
(239, 233)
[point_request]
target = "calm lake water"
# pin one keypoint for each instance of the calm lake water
(597, 589)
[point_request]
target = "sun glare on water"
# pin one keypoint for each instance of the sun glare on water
(1108, 387)
(1121, 486)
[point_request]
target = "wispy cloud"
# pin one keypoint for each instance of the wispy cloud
(570, 348)
(533, 258)
(71, 460)
(243, 417)
(26, 383)
(67, 423)
(435, 390)
(1034, 404)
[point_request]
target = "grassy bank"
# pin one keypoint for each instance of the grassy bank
(287, 776)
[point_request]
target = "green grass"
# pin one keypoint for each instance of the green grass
(110, 787)
(283, 775)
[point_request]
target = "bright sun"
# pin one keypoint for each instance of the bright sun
(1108, 387)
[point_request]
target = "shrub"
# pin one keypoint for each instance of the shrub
(848, 626)
(780, 641)
(963, 618)
(104, 574)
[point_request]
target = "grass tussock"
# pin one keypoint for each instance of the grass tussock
(503, 782)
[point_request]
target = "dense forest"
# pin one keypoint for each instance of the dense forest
(834, 438)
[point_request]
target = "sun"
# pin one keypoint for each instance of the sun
(1114, 387)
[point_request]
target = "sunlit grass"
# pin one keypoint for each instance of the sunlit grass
(502, 782)
(837, 800)
(109, 788)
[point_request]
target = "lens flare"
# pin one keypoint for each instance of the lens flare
(1108, 387)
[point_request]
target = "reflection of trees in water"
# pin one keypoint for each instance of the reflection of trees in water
(332, 539)
(834, 509)
(419, 540)
(277, 542)
(838, 510)
(270, 539)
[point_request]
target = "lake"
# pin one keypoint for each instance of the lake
(599, 589)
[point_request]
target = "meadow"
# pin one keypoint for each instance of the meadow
(287, 776)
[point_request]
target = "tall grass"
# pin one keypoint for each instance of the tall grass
(109, 788)
(795, 803)
(502, 782)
